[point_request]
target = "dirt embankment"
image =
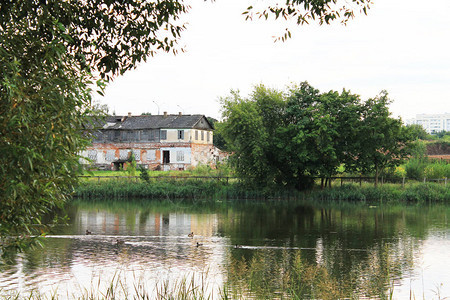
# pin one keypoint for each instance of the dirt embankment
(439, 150)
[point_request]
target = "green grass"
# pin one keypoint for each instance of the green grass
(201, 170)
(213, 185)
(411, 192)
(171, 188)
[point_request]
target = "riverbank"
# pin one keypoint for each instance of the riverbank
(217, 189)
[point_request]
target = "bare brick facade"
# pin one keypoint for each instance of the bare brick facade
(163, 142)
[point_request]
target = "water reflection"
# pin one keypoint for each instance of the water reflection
(355, 250)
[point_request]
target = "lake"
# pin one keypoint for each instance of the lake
(243, 249)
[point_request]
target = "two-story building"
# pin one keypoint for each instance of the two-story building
(164, 142)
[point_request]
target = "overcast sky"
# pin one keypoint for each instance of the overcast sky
(402, 46)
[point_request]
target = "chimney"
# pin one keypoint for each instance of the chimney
(180, 113)
(165, 114)
(129, 114)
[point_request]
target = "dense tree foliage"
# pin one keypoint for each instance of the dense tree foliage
(48, 53)
(286, 138)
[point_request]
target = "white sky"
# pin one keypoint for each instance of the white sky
(402, 46)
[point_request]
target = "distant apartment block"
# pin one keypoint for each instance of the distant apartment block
(432, 123)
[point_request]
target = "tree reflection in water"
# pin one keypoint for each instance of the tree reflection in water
(285, 249)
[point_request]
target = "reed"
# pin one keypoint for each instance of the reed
(413, 192)
(172, 188)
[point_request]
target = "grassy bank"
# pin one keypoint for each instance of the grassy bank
(216, 189)
(413, 192)
(174, 189)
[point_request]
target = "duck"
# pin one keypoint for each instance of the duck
(119, 242)
(198, 244)
(191, 234)
(237, 246)
(88, 232)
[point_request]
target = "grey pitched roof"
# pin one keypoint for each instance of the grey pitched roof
(157, 122)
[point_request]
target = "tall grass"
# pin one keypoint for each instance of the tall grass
(420, 168)
(218, 190)
(175, 189)
(412, 192)
(264, 276)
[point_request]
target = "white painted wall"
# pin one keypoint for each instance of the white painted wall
(172, 136)
(185, 151)
(193, 133)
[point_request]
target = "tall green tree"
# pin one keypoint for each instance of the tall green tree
(383, 141)
(287, 138)
(320, 130)
(48, 53)
(249, 132)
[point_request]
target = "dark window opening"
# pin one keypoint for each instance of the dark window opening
(166, 157)
(181, 134)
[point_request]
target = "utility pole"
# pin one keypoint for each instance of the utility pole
(156, 105)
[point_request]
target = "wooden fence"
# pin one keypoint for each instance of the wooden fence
(137, 178)
(341, 180)
(382, 180)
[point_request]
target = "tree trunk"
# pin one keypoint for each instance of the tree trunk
(376, 175)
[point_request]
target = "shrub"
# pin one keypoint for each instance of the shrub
(415, 168)
(144, 174)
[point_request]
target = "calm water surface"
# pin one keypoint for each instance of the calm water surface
(143, 245)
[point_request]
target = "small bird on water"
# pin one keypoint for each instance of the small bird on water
(88, 232)
(191, 234)
(119, 242)
(198, 244)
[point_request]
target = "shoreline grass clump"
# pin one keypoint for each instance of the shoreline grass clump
(414, 192)
(172, 188)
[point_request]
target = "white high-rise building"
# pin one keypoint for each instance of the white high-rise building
(432, 123)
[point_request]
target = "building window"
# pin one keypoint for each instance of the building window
(163, 134)
(144, 135)
(137, 154)
(110, 155)
(124, 154)
(207, 136)
(196, 135)
(180, 156)
(92, 155)
(116, 135)
(151, 155)
(203, 135)
(181, 134)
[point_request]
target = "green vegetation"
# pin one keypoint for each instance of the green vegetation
(419, 169)
(172, 188)
(217, 188)
(283, 138)
(49, 51)
(388, 193)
